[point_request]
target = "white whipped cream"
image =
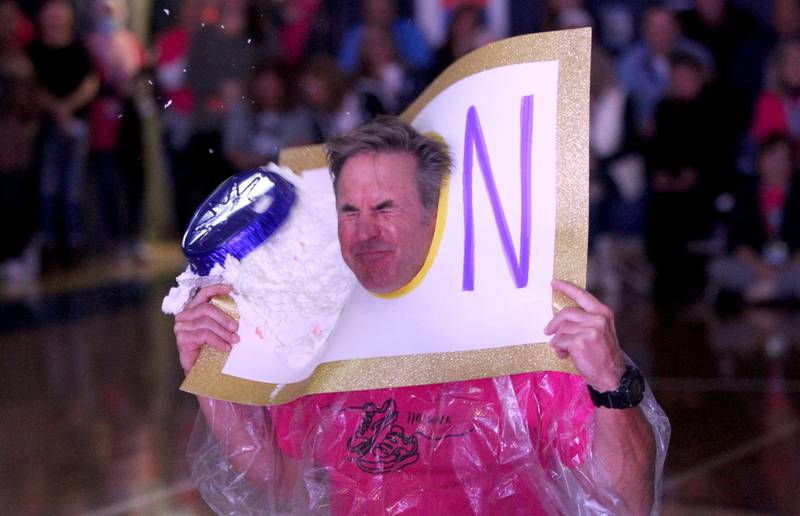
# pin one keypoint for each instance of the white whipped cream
(294, 286)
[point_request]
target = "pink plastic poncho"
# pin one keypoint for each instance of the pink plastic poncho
(509, 445)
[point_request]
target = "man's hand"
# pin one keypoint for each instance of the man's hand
(624, 446)
(203, 323)
(587, 334)
(241, 431)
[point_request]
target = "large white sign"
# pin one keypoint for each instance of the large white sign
(512, 216)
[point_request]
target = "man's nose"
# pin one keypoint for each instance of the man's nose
(368, 227)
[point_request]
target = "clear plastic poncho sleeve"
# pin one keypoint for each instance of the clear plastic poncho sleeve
(518, 444)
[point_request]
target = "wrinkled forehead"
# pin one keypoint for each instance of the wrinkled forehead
(395, 167)
(373, 174)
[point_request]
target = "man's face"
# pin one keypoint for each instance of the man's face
(384, 231)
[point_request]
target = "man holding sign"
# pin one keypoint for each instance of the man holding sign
(532, 443)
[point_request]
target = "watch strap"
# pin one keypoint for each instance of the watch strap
(628, 395)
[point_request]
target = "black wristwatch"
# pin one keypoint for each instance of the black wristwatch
(628, 395)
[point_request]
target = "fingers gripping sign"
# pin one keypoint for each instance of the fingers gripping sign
(587, 334)
(203, 323)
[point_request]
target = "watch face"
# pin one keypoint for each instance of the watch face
(636, 387)
(629, 394)
(240, 215)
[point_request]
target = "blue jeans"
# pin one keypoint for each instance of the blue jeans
(61, 183)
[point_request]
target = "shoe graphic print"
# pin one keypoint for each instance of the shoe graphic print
(379, 445)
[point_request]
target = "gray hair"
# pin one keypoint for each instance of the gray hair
(390, 134)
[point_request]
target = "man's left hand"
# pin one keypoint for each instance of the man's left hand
(587, 334)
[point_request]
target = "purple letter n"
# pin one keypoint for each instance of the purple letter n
(474, 136)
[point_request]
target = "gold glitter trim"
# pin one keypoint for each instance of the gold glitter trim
(299, 159)
(572, 50)
(227, 305)
(206, 377)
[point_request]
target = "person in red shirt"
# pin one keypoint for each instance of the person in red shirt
(777, 109)
(115, 120)
(171, 57)
(532, 443)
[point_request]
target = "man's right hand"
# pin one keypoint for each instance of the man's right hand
(203, 323)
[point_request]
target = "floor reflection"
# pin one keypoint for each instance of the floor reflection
(731, 386)
(95, 424)
(91, 403)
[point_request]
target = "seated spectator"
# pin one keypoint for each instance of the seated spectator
(266, 121)
(301, 19)
(435, 18)
(645, 69)
(406, 38)
(684, 178)
(68, 83)
(776, 21)
(764, 239)
(565, 14)
(722, 28)
(777, 109)
(466, 33)
(382, 74)
(335, 109)
(736, 44)
(616, 22)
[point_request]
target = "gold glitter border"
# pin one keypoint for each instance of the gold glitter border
(207, 379)
(300, 159)
(572, 50)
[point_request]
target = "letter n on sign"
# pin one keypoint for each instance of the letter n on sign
(518, 266)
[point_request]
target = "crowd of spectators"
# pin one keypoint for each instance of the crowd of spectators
(695, 126)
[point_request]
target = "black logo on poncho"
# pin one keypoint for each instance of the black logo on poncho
(380, 445)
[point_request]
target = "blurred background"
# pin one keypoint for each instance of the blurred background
(118, 117)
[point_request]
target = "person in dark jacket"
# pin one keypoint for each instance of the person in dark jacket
(764, 260)
(685, 174)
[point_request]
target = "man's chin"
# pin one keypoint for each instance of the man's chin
(382, 290)
(378, 285)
